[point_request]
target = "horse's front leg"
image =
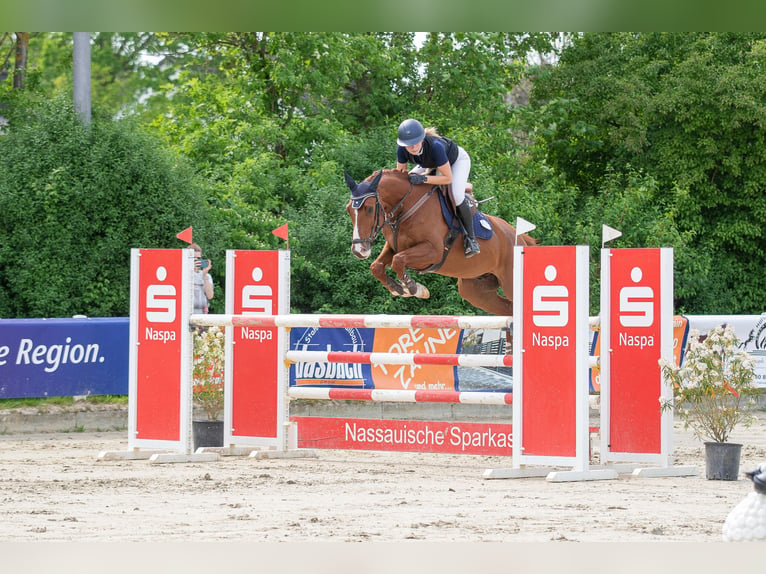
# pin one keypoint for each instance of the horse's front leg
(418, 256)
(379, 267)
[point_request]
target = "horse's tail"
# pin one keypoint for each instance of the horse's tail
(526, 240)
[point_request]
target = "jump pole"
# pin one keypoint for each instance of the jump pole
(160, 401)
(256, 414)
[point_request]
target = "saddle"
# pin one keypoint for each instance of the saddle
(482, 227)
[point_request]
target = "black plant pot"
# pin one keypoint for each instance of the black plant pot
(207, 433)
(722, 460)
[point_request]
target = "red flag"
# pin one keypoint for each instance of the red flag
(281, 232)
(731, 390)
(185, 235)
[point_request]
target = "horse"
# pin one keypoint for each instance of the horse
(418, 237)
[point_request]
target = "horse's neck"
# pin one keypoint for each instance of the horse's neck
(402, 195)
(394, 195)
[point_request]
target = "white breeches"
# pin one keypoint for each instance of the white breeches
(461, 169)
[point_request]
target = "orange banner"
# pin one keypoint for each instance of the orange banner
(415, 377)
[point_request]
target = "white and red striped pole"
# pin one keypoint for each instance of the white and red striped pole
(402, 396)
(357, 321)
(455, 360)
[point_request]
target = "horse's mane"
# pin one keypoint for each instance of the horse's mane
(388, 173)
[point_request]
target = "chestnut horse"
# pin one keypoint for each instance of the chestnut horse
(410, 218)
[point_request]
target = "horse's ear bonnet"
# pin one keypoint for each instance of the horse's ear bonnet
(362, 190)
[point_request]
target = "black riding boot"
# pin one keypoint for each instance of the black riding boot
(466, 218)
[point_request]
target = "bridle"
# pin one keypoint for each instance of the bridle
(375, 228)
(392, 219)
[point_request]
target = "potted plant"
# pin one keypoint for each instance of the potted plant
(207, 390)
(713, 392)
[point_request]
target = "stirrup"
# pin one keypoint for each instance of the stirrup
(471, 247)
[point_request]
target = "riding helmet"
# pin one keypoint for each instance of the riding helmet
(410, 132)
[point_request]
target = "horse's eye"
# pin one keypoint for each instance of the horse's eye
(369, 210)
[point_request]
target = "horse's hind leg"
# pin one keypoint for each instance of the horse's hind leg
(481, 292)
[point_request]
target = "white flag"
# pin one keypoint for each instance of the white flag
(523, 226)
(609, 233)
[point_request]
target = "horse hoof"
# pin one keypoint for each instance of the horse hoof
(423, 292)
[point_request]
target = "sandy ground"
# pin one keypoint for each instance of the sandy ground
(56, 489)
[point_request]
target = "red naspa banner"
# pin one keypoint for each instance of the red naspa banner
(255, 368)
(549, 413)
(158, 366)
(635, 327)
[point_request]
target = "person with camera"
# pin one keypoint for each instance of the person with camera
(203, 281)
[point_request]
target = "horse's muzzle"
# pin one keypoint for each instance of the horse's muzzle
(361, 249)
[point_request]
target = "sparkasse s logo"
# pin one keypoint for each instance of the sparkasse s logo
(257, 299)
(550, 304)
(636, 302)
(161, 299)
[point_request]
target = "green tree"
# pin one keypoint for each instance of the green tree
(126, 68)
(688, 110)
(270, 121)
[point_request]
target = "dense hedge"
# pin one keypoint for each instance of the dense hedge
(74, 200)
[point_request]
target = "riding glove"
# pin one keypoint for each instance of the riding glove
(417, 178)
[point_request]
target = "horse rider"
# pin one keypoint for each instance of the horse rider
(428, 150)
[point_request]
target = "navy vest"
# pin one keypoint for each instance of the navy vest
(426, 159)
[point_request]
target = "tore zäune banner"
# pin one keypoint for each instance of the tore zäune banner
(401, 377)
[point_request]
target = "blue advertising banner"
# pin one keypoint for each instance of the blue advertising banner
(63, 357)
(346, 375)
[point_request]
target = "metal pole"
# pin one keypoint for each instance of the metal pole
(81, 75)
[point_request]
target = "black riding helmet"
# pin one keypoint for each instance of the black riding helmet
(410, 132)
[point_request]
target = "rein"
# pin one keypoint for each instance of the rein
(394, 221)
